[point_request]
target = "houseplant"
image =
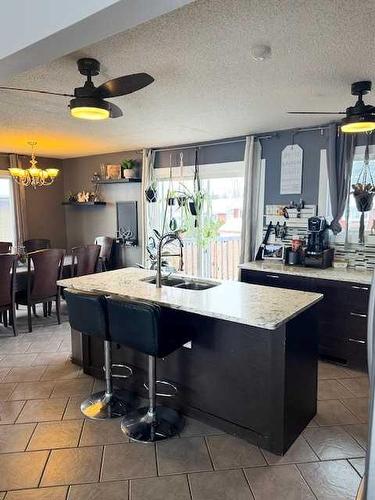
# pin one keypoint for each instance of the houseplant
(363, 192)
(130, 169)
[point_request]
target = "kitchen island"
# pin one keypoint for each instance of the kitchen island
(251, 366)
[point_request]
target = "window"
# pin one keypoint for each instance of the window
(7, 219)
(351, 219)
(217, 254)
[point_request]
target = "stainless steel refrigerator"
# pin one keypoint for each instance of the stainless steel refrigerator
(367, 488)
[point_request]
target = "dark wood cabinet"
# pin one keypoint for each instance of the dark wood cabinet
(341, 315)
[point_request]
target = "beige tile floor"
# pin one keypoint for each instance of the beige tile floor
(48, 451)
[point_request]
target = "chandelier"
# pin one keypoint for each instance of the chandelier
(33, 176)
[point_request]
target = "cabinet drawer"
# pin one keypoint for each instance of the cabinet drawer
(343, 296)
(275, 279)
(334, 348)
(356, 326)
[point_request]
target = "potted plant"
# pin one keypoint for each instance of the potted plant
(172, 198)
(151, 193)
(364, 197)
(130, 169)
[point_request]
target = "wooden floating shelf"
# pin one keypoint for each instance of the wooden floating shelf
(84, 204)
(117, 181)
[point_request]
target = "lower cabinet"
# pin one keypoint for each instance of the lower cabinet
(342, 314)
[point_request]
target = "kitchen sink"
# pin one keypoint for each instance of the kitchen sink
(165, 281)
(182, 283)
(196, 285)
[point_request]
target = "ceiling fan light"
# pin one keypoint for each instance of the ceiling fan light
(358, 124)
(90, 109)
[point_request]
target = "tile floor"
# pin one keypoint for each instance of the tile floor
(49, 451)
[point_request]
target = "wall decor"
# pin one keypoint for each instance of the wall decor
(291, 170)
(113, 172)
(127, 222)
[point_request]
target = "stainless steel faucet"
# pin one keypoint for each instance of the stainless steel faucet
(168, 238)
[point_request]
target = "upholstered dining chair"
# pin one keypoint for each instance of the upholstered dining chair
(106, 244)
(44, 268)
(5, 246)
(36, 244)
(85, 260)
(8, 265)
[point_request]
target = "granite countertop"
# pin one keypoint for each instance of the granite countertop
(253, 305)
(331, 273)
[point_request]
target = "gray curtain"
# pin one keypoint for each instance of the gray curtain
(19, 197)
(339, 165)
(251, 216)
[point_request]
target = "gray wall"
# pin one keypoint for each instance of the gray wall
(44, 212)
(311, 142)
(84, 224)
(207, 153)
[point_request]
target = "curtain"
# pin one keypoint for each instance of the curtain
(339, 166)
(252, 216)
(147, 177)
(19, 199)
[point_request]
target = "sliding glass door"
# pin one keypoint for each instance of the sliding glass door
(212, 240)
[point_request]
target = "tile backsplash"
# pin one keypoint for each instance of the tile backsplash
(358, 256)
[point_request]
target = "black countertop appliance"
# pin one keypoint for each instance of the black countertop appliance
(318, 253)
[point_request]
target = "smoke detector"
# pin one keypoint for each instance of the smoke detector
(260, 52)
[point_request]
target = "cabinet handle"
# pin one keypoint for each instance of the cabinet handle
(357, 341)
(274, 276)
(358, 315)
(360, 287)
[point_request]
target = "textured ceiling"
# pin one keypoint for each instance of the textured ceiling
(207, 86)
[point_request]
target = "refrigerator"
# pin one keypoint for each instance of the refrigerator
(367, 488)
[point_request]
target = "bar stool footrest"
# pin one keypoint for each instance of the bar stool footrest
(167, 384)
(119, 375)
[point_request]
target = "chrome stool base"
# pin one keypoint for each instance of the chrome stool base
(142, 426)
(101, 406)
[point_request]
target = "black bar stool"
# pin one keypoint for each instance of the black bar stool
(138, 325)
(88, 314)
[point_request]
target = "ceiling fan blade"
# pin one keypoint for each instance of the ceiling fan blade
(37, 91)
(315, 113)
(124, 85)
(115, 111)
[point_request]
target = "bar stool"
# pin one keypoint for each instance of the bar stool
(138, 325)
(88, 314)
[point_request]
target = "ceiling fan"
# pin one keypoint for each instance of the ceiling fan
(359, 118)
(89, 102)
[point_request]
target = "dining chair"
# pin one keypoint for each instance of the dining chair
(106, 243)
(44, 268)
(5, 246)
(8, 263)
(85, 260)
(36, 244)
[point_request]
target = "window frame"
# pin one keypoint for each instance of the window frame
(4, 174)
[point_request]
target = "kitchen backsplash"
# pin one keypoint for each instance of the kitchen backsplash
(358, 256)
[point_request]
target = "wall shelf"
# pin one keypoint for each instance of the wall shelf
(84, 204)
(117, 181)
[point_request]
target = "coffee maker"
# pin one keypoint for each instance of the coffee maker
(317, 253)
